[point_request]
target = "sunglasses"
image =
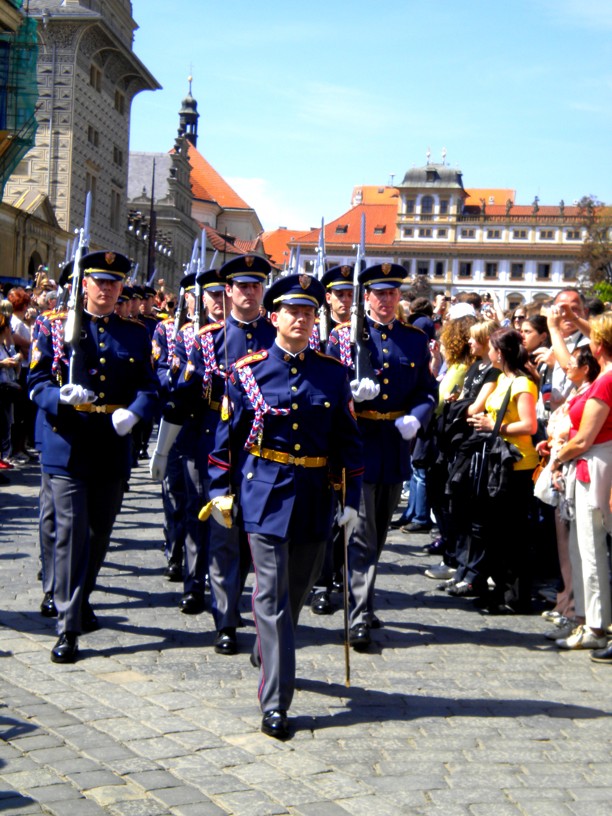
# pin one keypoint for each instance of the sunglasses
(520, 317)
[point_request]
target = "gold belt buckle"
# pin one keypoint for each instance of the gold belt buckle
(300, 461)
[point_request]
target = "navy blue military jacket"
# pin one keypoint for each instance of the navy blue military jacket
(201, 380)
(113, 361)
(400, 357)
(311, 414)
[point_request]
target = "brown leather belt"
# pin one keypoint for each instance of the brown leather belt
(378, 415)
(92, 408)
(289, 459)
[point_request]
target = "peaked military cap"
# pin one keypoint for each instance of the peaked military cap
(339, 277)
(188, 282)
(211, 280)
(137, 292)
(246, 269)
(106, 265)
(383, 276)
(66, 274)
(295, 290)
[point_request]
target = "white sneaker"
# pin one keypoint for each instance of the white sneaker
(583, 638)
(441, 572)
(561, 630)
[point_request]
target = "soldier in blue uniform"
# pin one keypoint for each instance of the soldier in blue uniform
(86, 446)
(199, 395)
(287, 427)
(338, 284)
(390, 410)
(167, 357)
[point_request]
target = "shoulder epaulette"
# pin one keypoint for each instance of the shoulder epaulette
(211, 327)
(411, 327)
(255, 357)
(329, 357)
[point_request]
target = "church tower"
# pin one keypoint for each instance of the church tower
(188, 118)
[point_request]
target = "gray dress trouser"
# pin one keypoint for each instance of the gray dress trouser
(85, 511)
(285, 571)
(376, 508)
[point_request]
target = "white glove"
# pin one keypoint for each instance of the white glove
(165, 439)
(71, 394)
(408, 426)
(124, 420)
(348, 519)
(364, 389)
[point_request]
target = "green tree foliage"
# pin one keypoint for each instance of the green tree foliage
(596, 251)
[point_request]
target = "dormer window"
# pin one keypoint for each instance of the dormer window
(380, 229)
(341, 229)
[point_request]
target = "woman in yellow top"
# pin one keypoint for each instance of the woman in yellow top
(505, 525)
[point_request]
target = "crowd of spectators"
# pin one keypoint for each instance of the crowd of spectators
(547, 367)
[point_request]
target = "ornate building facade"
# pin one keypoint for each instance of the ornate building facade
(458, 239)
(88, 76)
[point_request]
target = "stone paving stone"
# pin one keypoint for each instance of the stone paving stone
(154, 779)
(197, 809)
(180, 795)
(143, 807)
(253, 802)
(590, 808)
(321, 809)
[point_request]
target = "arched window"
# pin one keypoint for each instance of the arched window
(427, 205)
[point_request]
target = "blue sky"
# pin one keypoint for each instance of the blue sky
(300, 102)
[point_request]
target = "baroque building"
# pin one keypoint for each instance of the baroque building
(88, 76)
(190, 196)
(457, 240)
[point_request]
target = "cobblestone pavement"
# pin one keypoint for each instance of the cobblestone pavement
(452, 713)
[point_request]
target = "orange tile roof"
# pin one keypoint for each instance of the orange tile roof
(498, 196)
(208, 185)
(369, 194)
(229, 245)
(276, 243)
(380, 226)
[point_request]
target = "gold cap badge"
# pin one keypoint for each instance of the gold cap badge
(249, 260)
(305, 281)
(386, 268)
(109, 257)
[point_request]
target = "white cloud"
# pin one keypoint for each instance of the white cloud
(270, 204)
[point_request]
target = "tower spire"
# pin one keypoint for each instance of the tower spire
(188, 117)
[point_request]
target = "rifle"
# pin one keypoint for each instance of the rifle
(319, 270)
(359, 334)
(72, 329)
(199, 265)
(180, 308)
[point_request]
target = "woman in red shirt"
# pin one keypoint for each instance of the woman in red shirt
(588, 483)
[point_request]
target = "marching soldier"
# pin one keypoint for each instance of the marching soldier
(86, 445)
(199, 393)
(167, 364)
(287, 424)
(390, 410)
(338, 284)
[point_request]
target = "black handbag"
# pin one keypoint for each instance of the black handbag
(492, 464)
